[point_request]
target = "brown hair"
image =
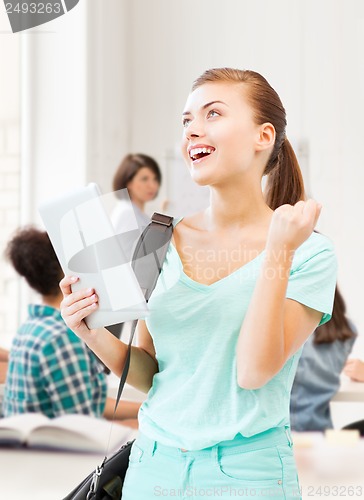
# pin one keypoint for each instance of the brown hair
(285, 182)
(32, 256)
(128, 168)
(338, 328)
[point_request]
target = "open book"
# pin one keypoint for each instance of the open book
(68, 432)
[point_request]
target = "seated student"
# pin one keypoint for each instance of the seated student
(51, 371)
(318, 375)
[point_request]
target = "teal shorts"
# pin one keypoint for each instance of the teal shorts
(261, 466)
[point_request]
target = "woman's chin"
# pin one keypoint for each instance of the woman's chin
(147, 199)
(202, 179)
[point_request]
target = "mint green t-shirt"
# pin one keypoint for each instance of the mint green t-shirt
(195, 400)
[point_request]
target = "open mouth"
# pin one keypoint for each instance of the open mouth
(199, 153)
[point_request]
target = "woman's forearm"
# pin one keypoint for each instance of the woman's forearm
(125, 409)
(112, 353)
(260, 348)
(75, 307)
(3, 371)
(4, 355)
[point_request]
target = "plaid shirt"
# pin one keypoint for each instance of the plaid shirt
(51, 371)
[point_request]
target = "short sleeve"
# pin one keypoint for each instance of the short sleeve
(312, 279)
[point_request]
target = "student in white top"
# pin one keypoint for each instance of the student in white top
(141, 176)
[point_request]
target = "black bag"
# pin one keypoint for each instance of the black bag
(106, 482)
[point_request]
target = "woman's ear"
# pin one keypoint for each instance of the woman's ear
(266, 137)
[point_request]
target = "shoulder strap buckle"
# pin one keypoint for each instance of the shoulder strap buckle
(164, 220)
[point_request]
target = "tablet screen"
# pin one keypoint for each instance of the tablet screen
(86, 246)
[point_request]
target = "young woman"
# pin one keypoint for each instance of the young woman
(317, 378)
(141, 176)
(51, 371)
(244, 284)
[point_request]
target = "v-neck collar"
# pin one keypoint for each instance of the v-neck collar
(202, 286)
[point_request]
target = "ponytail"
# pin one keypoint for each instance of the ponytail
(285, 182)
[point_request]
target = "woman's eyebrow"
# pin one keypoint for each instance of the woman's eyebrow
(205, 106)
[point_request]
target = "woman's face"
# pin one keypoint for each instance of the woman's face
(144, 185)
(220, 135)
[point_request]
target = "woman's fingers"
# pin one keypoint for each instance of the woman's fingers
(77, 305)
(299, 206)
(75, 319)
(292, 225)
(76, 296)
(65, 284)
(318, 213)
(311, 211)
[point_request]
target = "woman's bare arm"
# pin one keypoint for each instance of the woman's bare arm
(126, 410)
(76, 306)
(274, 327)
(4, 355)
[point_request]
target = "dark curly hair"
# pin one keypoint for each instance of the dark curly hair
(32, 256)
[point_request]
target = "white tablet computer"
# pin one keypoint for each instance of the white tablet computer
(86, 246)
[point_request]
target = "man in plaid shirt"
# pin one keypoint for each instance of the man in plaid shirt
(51, 371)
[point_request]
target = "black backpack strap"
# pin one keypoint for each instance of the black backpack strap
(147, 262)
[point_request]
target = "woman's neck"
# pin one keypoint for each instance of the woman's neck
(234, 206)
(140, 204)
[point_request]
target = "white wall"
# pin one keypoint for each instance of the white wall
(333, 104)
(54, 83)
(108, 89)
(9, 171)
(43, 98)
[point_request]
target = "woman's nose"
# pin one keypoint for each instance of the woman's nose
(194, 129)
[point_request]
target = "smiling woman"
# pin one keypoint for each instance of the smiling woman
(244, 284)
